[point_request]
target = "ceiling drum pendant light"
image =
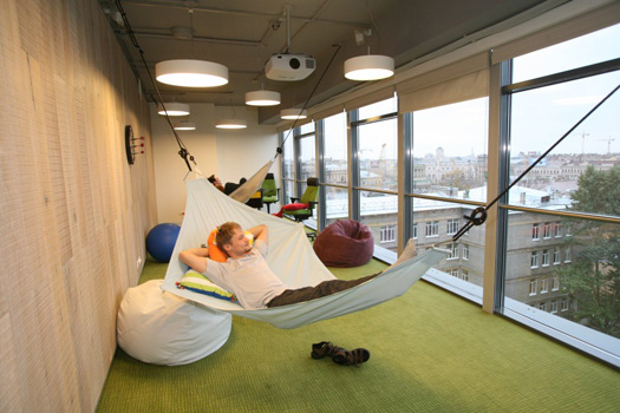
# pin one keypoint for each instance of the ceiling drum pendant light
(369, 67)
(173, 109)
(185, 125)
(294, 113)
(191, 73)
(262, 98)
(231, 124)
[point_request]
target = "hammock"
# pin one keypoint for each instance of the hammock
(290, 256)
(249, 187)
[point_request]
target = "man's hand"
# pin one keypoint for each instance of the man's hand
(260, 232)
(195, 258)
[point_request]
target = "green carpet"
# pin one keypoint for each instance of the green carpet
(430, 352)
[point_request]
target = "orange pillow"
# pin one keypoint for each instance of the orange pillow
(215, 253)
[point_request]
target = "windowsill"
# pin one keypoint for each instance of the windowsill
(454, 285)
(385, 255)
(602, 346)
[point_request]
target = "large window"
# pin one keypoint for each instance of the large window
(378, 150)
(376, 139)
(448, 164)
(450, 150)
(336, 168)
(567, 224)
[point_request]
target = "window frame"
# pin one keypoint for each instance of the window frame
(431, 229)
(534, 259)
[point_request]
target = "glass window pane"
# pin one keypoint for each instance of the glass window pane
(336, 165)
(383, 107)
(575, 277)
(337, 204)
(289, 190)
(307, 157)
(380, 213)
(378, 154)
(592, 48)
(450, 150)
(435, 222)
(539, 118)
(307, 128)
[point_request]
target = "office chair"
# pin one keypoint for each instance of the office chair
(271, 194)
(309, 197)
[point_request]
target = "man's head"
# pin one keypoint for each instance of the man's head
(215, 180)
(232, 240)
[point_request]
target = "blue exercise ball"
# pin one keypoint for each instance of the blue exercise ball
(161, 240)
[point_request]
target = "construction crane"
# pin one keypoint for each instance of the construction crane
(583, 140)
(609, 141)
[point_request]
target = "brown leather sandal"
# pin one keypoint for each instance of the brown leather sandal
(352, 358)
(326, 348)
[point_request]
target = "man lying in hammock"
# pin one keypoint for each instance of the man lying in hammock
(247, 275)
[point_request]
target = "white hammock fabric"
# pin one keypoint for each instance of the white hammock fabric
(249, 188)
(290, 256)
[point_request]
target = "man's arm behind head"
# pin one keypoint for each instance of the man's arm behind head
(260, 232)
(195, 258)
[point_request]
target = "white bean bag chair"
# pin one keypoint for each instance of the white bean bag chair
(160, 328)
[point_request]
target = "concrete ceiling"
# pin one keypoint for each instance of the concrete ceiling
(244, 34)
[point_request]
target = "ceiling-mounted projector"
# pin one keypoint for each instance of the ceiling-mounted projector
(289, 67)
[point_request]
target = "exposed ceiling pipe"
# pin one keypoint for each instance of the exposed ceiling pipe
(170, 36)
(197, 8)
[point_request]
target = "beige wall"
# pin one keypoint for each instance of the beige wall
(231, 154)
(74, 213)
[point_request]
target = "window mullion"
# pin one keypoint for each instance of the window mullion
(494, 238)
(320, 155)
(354, 168)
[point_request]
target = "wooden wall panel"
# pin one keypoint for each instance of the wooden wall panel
(75, 214)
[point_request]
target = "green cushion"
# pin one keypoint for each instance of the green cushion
(198, 283)
(299, 212)
(270, 199)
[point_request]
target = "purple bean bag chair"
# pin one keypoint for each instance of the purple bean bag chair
(344, 244)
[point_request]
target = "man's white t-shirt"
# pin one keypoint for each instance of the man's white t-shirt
(249, 278)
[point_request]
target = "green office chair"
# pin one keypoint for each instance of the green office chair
(309, 196)
(271, 194)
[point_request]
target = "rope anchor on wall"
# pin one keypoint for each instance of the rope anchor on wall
(132, 147)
